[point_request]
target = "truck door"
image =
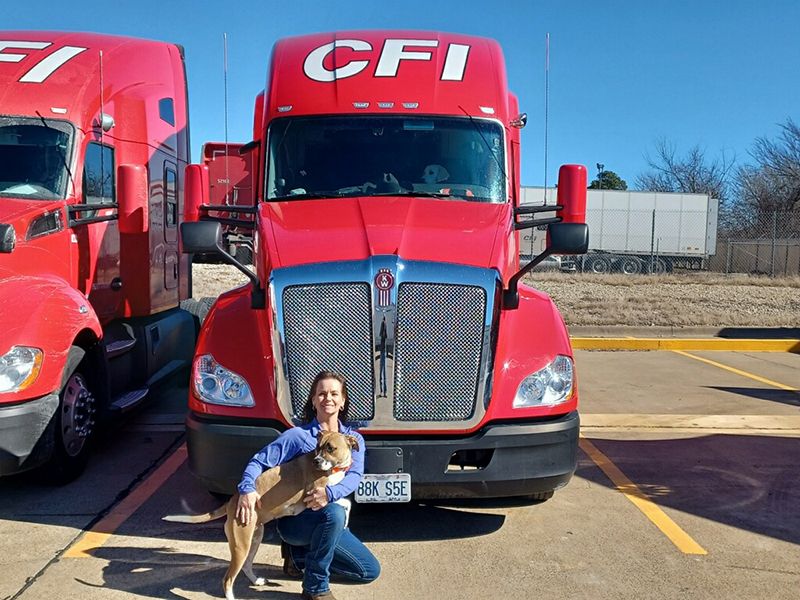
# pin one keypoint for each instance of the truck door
(171, 259)
(98, 243)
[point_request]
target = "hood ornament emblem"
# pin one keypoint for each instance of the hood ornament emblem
(384, 282)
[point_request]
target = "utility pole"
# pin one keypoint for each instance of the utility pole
(600, 167)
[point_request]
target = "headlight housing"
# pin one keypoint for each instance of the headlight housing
(19, 368)
(215, 384)
(547, 387)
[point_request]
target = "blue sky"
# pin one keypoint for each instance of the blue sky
(622, 73)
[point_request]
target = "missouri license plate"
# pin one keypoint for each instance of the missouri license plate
(384, 487)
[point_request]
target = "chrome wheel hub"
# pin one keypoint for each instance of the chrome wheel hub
(77, 414)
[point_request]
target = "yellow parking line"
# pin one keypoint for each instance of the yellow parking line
(658, 517)
(105, 527)
(738, 371)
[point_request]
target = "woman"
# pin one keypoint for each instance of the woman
(317, 541)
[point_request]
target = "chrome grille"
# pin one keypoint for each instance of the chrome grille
(329, 327)
(440, 332)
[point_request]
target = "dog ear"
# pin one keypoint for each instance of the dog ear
(352, 441)
(320, 435)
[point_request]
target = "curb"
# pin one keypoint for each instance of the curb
(687, 344)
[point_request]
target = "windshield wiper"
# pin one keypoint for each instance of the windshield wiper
(415, 194)
(309, 196)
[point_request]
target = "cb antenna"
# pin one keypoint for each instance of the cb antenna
(225, 103)
(546, 104)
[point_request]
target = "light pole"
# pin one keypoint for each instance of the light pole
(600, 167)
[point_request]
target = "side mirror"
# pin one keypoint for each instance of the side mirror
(201, 237)
(572, 193)
(132, 196)
(206, 237)
(568, 238)
(196, 192)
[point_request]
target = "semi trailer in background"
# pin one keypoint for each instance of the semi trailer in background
(635, 232)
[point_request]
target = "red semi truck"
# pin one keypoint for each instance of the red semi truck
(94, 143)
(230, 187)
(386, 248)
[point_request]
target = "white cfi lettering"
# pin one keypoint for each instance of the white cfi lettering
(45, 67)
(455, 63)
(315, 69)
(395, 50)
(15, 58)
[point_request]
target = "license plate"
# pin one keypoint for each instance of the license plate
(384, 487)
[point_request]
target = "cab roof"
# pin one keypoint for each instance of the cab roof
(387, 72)
(57, 74)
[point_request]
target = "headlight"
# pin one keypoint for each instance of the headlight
(19, 367)
(215, 384)
(548, 387)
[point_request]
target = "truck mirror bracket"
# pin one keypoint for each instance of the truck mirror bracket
(206, 237)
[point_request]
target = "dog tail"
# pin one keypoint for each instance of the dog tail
(217, 513)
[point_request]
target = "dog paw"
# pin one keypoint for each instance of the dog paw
(260, 581)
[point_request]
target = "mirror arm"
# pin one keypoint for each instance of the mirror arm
(511, 295)
(529, 224)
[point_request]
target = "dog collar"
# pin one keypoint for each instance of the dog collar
(340, 469)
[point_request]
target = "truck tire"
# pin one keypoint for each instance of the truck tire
(73, 427)
(598, 264)
(199, 308)
(656, 266)
(630, 265)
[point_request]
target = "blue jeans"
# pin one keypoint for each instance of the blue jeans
(321, 545)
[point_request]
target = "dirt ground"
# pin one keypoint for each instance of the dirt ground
(677, 299)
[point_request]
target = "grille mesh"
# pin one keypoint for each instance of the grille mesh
(328, 326)
(438, 351)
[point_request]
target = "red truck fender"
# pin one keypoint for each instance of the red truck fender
(529, 338)
(239, 339)
(46, 313)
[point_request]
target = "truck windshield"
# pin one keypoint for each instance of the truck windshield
(459, 158)
(34, 158)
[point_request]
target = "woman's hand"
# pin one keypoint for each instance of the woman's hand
(246, 508)
(316, 498)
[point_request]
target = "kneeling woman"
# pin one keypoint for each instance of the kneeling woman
(317, 541)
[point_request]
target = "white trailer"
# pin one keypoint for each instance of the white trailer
(635, 232)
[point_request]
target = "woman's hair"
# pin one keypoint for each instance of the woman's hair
(308, 411)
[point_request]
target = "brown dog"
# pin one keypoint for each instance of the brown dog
(281, 491)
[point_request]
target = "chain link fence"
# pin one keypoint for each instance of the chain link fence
(642, 232)
(759, 243)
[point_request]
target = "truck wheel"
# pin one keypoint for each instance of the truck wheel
(199, 308)
(631, 265)
(597, 264)
(74, 428)
(656, 266)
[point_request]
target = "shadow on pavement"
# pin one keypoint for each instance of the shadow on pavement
(770, 333)
(745, 481)
(169, 574)
(771, 394)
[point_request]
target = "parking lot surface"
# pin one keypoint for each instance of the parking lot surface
(688, 485)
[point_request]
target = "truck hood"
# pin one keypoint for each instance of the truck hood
(311, 231)
(19, 212)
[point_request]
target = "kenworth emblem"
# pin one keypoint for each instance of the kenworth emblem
(384, 281)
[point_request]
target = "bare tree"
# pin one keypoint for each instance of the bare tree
(693, 173)
(773, 183)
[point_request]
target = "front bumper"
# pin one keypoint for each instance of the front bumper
(23, 444)
(502, 460)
